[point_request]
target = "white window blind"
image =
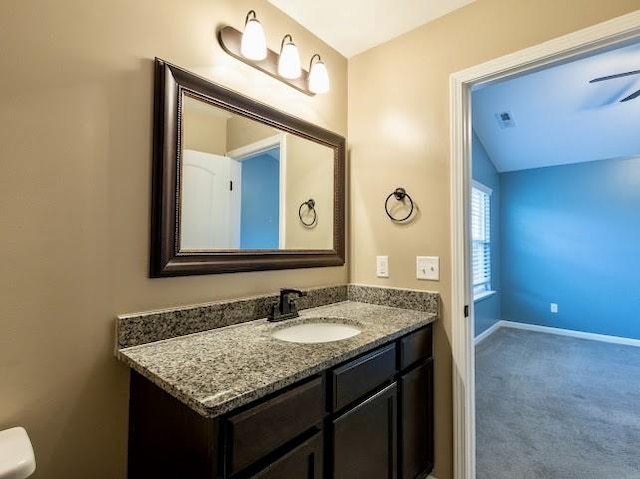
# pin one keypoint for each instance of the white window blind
(481, 237)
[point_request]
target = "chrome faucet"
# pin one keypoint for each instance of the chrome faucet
(285, 308)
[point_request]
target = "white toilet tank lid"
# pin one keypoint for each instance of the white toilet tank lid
(16, 454)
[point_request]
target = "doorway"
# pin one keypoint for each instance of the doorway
(585, 42)
(262, 193)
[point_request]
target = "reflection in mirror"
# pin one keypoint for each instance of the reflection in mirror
(243, 185)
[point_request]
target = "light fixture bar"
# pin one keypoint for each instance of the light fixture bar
(230, 40)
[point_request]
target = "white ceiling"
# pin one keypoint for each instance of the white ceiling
(353, 26)
(560, 117)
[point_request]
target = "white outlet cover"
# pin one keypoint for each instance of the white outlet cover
(554, 307)
(428, 268)
(382, 266)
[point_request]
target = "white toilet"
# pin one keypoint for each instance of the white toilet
(16, 454)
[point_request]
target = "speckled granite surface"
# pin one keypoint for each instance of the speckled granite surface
(140, 328)
(219, 370)
(396, 297)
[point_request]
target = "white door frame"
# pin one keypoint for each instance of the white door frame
(561, 49)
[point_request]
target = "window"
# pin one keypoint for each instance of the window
(481, 238)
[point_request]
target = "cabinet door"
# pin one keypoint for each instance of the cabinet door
(364, 438)
(303, 462)
(416, 421)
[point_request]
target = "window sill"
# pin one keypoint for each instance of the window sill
(483, 295)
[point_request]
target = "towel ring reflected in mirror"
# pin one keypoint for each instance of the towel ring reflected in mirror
(311, 208)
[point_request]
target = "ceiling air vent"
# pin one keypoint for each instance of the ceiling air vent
(505, 120)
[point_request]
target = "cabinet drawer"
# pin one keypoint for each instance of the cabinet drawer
(360, 376)
(256, 432)
(303, 462)
(415, 347)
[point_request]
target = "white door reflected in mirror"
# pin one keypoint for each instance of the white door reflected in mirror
(210, 207)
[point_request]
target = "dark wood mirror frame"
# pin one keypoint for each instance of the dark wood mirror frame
(166, 259)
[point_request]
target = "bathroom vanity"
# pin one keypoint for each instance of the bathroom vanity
(217, 391)
(236, 402)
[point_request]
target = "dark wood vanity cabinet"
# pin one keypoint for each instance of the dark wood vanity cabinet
(370, 417)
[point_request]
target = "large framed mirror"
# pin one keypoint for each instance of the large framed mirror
(239, 185)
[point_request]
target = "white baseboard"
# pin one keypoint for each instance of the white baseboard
(487, 332)
(574, 334)
(558, 331)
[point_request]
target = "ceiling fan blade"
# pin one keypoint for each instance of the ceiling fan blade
(619, 75)
(631, 97)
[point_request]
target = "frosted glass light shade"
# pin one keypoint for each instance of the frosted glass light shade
(254, 44)
(289, 61)
(318, 78)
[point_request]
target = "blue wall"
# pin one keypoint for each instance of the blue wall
(571, 235)
(260, 213)
(487, 310)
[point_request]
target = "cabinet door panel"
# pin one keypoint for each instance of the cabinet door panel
(364, 438)
(416, 421)
(304, 462)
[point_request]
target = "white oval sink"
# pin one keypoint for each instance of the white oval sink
(316, 332)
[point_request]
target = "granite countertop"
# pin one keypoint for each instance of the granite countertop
(219, 370)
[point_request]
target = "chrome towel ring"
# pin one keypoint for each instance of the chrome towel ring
(311, 208)
(400, 194)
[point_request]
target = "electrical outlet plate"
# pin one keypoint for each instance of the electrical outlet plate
(382, 266)
(554, 307)
(428, 268)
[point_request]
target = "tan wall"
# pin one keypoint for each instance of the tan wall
(242, 131)
(203, 131)
(399, 136)
(75, 129)
(309, 175)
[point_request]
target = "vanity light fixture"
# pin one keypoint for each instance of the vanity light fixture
(254, 43)
(289, 61)
(318, 75)
(250, 47)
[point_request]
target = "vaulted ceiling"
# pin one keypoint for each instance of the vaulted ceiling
(353, 26)
(561, 118)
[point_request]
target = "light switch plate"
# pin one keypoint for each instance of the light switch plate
(428, 267)
(382, 266)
